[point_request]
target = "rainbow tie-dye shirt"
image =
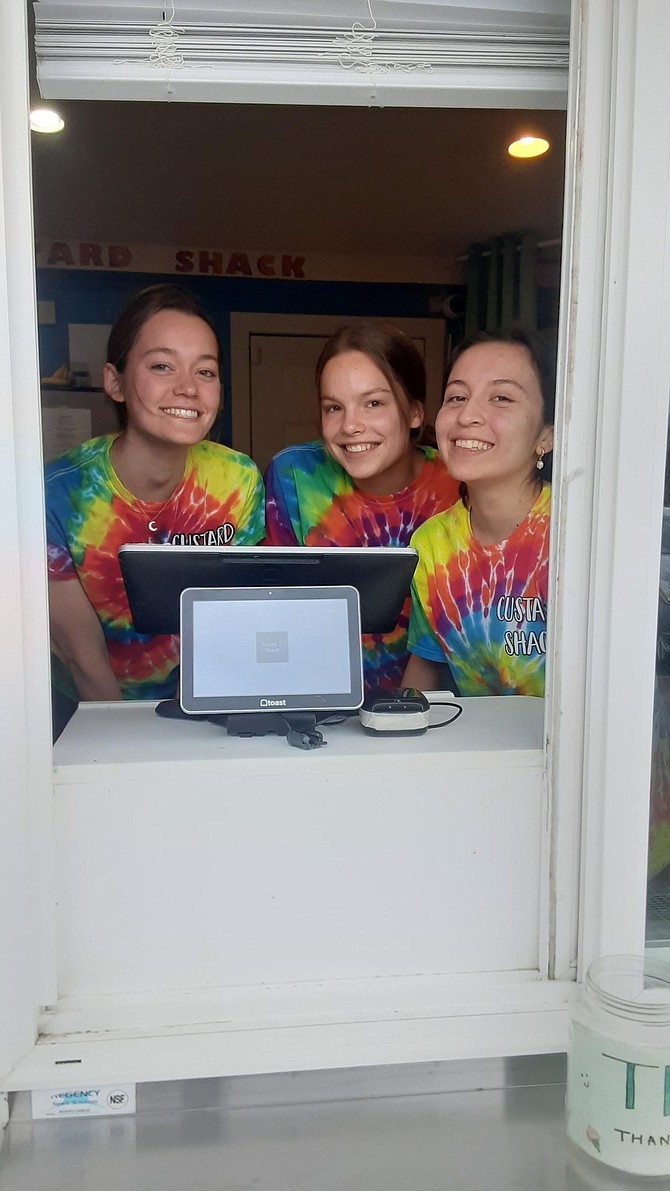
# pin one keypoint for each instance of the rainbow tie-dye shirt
(90, 514)
(312, 501)
(483, 609)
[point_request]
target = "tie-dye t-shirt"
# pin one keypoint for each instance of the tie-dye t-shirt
(483, 609)
(90, 514)
(312, 501)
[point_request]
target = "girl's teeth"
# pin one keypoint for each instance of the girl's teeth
(472, 444)
(358, 447)
(182, 413)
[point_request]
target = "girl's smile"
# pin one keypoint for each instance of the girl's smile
(473, 444)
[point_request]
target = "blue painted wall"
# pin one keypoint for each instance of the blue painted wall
(84, 296)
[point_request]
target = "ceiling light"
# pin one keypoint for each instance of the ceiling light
(528, 146)
(46, 120)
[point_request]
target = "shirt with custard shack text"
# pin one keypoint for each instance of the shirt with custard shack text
(483, 609)
(219, 502)
(312, 501)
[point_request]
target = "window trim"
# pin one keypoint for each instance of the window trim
(614, 345)
(27, 924)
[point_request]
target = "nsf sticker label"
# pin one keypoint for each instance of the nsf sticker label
(112, 1100)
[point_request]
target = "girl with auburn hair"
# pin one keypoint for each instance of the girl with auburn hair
(479, 593)
(367, 481)
(155, 481)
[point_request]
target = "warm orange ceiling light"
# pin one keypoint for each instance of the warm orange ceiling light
(528, 146)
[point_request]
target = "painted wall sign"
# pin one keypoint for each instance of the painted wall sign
(239, 263)
(150, 258)
(184, 260)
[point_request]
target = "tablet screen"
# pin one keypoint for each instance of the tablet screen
(256, 649)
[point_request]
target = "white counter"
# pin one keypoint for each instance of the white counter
(216, 883)
(105, 733)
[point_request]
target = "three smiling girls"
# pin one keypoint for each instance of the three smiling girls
(479, 507)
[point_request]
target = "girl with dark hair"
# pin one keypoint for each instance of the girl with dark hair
(156, 481)
(367, 482)
(479, 594)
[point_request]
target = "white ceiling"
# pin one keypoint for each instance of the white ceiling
(316, 179)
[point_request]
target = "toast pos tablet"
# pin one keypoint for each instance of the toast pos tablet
(278, 650)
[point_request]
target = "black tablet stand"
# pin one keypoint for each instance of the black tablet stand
(299, 727)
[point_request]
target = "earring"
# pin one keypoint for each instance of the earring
(540, 463)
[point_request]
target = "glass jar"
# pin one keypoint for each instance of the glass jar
(618, 1089)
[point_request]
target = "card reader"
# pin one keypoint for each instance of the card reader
(394, 712)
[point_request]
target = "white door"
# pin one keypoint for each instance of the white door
(273, 362)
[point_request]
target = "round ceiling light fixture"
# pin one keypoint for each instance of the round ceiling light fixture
(528, 146)
(46, 120)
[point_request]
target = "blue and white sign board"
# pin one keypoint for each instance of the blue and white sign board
(107, 1101)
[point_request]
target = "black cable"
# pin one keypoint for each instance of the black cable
(301, 730)
(445, 723)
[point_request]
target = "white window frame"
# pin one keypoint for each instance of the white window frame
(612, 442)
(611, 449)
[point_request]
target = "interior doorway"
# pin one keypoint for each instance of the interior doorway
(273, 357)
